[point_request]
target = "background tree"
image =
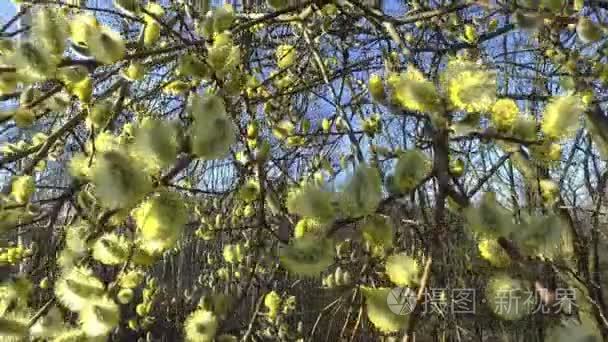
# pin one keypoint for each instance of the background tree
(271, 171)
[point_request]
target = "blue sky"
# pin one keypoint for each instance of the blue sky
(7, 10)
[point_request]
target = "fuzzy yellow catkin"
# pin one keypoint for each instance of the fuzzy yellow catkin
(160, 220)
(82, 89)
(223, 55)
(377, 230)
(549, 191)
(201, 326)
(124, 296)
(134, 72)
(283, 129)
(363, 193)
(285, 55)
(379, 313)
(212, 131)
(155, 10)
(24, 117)
(77, 286)
(82, 28)
(99, 316)
(119, 181)
(33, 62)
(402, 270)
(223, 17)
(151, 32)
(107, 46)
(23, 188)
(490, 250)
(250, 190)
(414, 92)
(111, 249)
(469, 86)
(272, 302)
(75, 238)
(156, 143)
(308, 255)
(189, 65)
(8, 82)
(51, 28)
(561, 117)
(524, 128)
(504, 114)
(311, 201)
(100, 113)
(308, 226)
(376, 87)
(412, 167)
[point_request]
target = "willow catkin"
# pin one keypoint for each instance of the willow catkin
(379, 313)
(212, 132)
(51, 28)
(99, 316)
(402, 270)
(201, 326)
(469, 86)
(561, 117)
(119, 181)
(307, 256)
(412, 91)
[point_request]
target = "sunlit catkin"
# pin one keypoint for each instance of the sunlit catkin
(212, 132)
(201, 326)
(414, 92)
(286, 55)
(402, 270)
(562, 116)
(412, 167)
(376, 87)
(51, 28)
(119, 181)
(76, 287)
(34, 62)
(111, 249)
(22, 188)
(504, 114)
(82, 28)
(469, 86)
(100, 113)
(311, 201)
(363, 193)
(490, 250)
(160, 220)
(379, 313)
(107, 46)
(308, 255)
(156, 143)
(151, 32)
(99, 316)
